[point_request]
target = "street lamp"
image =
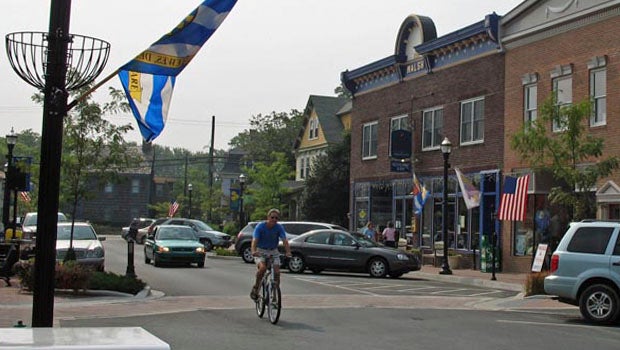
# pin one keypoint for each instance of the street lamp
(190, 187)
(446, 147)
(241, 184)
(11, 140)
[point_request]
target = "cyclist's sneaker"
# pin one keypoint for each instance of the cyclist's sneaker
(254, 293)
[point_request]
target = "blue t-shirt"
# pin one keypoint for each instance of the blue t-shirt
(268, 238)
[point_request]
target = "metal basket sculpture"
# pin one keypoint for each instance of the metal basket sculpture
(86, 58)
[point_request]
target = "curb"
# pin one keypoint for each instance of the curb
(472, 281)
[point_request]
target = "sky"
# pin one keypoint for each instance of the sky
(268, 55)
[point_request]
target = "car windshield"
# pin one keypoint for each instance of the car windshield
(364, 241)
(176, 233)
(31, 220)
(202, 226)
(79, 233)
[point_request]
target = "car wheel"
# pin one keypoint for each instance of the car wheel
(377, 267)
(208, 245)
(316, 271)
(599, 304)
(246, 254)
(296, 264)
(201, 264)
(147, 260)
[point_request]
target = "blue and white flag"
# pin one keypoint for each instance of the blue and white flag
(148, 79)
(420, 195)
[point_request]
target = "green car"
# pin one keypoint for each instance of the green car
(174, 244)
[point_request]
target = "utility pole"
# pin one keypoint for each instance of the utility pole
(211, 168)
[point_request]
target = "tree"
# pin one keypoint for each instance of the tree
(267, 179)
(275, 132)
(326, 194)
(572, 156)
(342, 91)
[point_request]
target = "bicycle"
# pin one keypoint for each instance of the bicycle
(269, 295)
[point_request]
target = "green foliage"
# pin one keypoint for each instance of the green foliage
(267, 189)
(225, 252)
(111, 281)
(275, 132)
(232, 228)
(572, 156)
(70, 275)
(535, 283)
(326, 194)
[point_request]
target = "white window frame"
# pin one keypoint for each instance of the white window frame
(530, 102)
(599, 96)
(434, 123)
(369, 140)
(398, 123)
(564, 97)
(474, 122)
(109, 188)
(314, 129)
(135, 186)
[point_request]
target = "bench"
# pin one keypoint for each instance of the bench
(8, 258)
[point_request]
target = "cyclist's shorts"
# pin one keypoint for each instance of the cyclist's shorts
(265, 252)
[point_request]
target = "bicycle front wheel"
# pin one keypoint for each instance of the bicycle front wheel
(274, 303)
(260, 301)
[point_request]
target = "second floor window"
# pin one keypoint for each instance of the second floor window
(108, 188)
(398, 123)
(432, 128)
(530, 104)
(135, 186)
(598, 93)
(369, 141)
(314, 129)
(563, 91)
(472, 121)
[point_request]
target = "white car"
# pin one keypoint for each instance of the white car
(87, 245)
(29, 224)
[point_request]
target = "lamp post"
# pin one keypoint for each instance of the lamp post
(241, 185)
(11, 140)
(190, 187)
(446, 147)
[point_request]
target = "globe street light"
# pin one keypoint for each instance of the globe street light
(190, 187)
(446, 147)
(241, 184)
(11, 140)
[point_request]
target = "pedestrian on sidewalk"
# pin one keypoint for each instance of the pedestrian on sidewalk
(389, 235)
(369, 231)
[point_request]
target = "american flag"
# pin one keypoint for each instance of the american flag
(172, 209)
(25, 196)
(514, 199)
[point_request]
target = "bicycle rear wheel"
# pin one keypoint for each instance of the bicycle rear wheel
(260, 301)
(274, 304)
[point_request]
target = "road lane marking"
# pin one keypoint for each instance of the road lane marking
(548, 324)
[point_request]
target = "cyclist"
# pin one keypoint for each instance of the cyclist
(265, 241)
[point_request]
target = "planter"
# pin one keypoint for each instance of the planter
(455, 261)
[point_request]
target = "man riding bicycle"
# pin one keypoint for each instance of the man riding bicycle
(265, 241)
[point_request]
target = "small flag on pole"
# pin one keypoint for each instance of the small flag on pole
(25, 196)
(514, 199)
(172, 209)
(471, 195)
(148, 79)
(420, 195)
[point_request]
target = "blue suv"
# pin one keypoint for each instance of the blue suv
(585, 270)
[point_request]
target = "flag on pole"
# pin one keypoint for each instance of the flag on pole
(471, 195)
(173, 207)
(25, 196)
(514, 199)
(148, 79)
(420, 195)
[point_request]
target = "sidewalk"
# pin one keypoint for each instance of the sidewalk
(17, 305)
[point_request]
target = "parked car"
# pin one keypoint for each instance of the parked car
(206, 235)
(339, 250)
(29, 224)
(243, 241)
(87, 245)
(142, 225)
(585, 270)
(174, 244)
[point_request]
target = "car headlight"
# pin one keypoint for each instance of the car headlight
(200, 250)
(95, 253)
(402, 257)
(161, 249)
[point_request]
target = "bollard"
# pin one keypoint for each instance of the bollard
(19, 324)
(130, 272)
